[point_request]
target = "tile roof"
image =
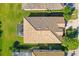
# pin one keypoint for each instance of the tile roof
(48, 53)
(31, 35)
(42, 6)
(44, 23)
(42, 29)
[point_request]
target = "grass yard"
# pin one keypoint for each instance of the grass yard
(10, 16)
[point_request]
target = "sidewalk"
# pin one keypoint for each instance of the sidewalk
(77, 50)
(71, 53)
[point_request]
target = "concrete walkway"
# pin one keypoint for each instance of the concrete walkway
(70, 53)
(68, 25)
(77, 50)
(73, 23)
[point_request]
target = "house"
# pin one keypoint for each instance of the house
(43, 29)
(48, 28)
(42, 6)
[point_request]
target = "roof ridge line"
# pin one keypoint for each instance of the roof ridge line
(56, 36)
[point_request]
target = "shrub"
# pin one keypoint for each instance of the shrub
(70, 40)
(68, 12)
(71, 44)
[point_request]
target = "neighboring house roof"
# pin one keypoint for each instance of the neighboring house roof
(43, 29)
(48, 53)
(42, 6)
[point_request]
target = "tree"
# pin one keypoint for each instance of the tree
(71, 44)
(16, 44)
(72, 33)
(1, 32)
(67, 17)
(67, 13)
(67, 10)
(70, 40)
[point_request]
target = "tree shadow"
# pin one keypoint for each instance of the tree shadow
(0, 22)
(1, 33)
(16, 44)
(0, 51)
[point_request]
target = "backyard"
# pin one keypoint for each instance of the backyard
(10, 16)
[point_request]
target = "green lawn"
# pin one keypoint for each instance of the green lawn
(10, 16)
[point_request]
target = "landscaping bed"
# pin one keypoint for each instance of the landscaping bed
(40, 12)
